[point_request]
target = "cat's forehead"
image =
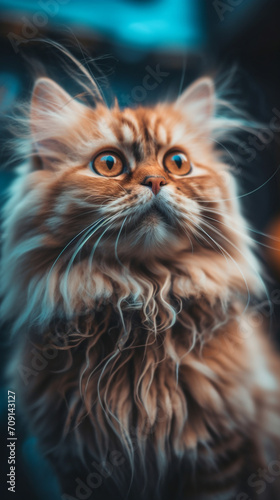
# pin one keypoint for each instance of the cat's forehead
(144, 130)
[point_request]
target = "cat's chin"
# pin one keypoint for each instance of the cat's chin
(152, 238)
(157, 231)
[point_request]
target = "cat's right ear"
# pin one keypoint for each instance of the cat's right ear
(52, 116)
(197, 101)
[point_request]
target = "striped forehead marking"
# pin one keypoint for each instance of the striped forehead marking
(143, 133)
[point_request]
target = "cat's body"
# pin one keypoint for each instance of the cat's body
(202, 435)
(129, 283)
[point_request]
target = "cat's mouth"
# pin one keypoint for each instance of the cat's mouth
(154, 215)
(155, 211)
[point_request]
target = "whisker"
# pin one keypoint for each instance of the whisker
(97, 243)
(205, 239)
(237, 197)
(117, 241)
(240, 232)
(246, 259)
(87, 237)
(211, 227)
(88, 228)
(234, 261)
(248, 228)
(187, 231)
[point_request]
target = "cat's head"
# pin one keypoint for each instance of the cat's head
(123, 205)
(132, 183)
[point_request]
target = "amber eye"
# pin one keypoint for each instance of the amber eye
(177, 162)
(108, 164)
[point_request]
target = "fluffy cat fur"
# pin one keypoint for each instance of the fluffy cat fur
(130, 310)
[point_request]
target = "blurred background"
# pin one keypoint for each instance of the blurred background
(172, 41)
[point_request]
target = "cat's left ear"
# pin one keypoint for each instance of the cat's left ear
(197, 101)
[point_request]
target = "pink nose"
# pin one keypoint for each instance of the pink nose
(154, 182)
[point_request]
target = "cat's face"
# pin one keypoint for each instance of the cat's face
(135, 182)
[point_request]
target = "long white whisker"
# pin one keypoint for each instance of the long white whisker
(117, 241)
(211, 227)
(78, 249)
(235, 263)
(248, 228)
(97, 243)
(240, 232)
(88, 228)
(205, 239)
(237, 197)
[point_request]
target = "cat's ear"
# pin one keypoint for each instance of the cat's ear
(197, 101)
(53, 112)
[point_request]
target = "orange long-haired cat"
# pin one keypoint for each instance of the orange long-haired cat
(126, 278)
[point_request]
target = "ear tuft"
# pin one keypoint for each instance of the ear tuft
(198, 100)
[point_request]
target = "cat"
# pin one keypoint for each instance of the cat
(126, 273)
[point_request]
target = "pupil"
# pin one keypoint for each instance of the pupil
(109, 161)
(178, 160)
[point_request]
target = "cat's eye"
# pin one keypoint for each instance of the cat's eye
(108, 164)
(177, 162)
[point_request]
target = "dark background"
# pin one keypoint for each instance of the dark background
(187, 39)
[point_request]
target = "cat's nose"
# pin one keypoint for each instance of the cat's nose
(155, 182)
